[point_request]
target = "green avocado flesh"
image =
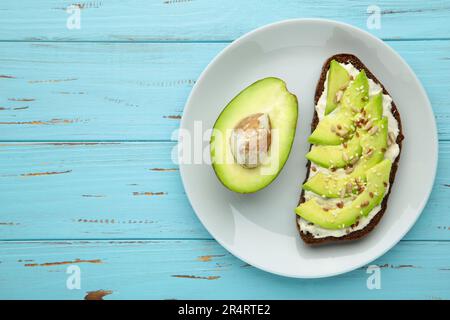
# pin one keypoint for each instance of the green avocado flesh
(347, 156)
(335, 156)
(370, 146)
(337, 125)
(331, 185)
(357, 93)
(267, 96)
(324, 134)
(338, 218)
(326, 130)
(374, 108)
(338, 79)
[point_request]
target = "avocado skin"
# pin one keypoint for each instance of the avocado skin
(239, 185)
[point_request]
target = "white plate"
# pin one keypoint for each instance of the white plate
(260, 228)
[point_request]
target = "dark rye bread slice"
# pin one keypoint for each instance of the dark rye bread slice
(349, 58)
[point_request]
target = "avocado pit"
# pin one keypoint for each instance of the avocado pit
(250, 140)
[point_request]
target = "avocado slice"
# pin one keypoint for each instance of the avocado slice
(328, 185)
(333, 128)
(375, 135)
(338, 218)
(268, 97)
(336, 126)
(338, 79)
(336, 156)
(357, 93)
(374, 108)
(373, 144)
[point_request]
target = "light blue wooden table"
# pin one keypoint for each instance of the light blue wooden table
(86, 178)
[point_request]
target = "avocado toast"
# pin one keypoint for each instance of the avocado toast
(355, 149)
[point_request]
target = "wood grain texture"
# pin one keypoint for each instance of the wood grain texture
(128, 190)
(117, 91)
(96, 91)
(124, 77)
(193, 20)
(91, 190)
(174, 270)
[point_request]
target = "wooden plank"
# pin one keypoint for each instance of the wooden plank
(96, 91)
(118, 91)
(203, 269)
(187, 20)
(127, 190)
(90, 190)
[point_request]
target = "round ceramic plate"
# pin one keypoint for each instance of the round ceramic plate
(260, 228)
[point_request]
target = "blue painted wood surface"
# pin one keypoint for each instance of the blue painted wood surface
(86, 177)
(189, 269)
(203, 20)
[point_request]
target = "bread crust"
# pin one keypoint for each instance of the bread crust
(308, 237)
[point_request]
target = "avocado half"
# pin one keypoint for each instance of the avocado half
(268, 96)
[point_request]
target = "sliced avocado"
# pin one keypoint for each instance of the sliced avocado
(269, 97)
(327, 185)
(338, 218)
(335, 186)
(333, 128)
(338, 79)
(357, 93)
(375, 137)
(374, 108)
(373, 145)
(335, 156)
(365, 163)
(373, 148)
